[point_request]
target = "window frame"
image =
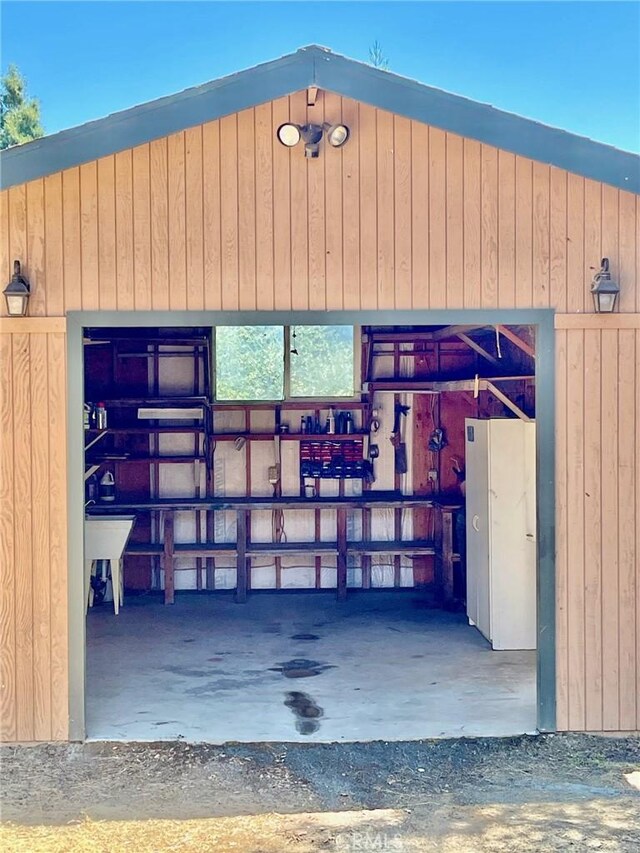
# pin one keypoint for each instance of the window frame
(286, 355)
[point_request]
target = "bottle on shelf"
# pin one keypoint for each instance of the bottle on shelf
(107, 488)
(101, 416)
(331, 422)
(348, 423)
(303, 424)
(92, 488)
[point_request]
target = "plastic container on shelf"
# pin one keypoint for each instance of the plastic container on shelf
(101, 416)
(107, 490)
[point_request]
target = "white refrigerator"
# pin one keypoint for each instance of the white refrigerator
(501, 530)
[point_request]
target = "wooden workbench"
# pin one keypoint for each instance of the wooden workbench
(243, 549)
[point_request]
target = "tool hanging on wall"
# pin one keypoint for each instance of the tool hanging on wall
(437, 440)
(401, 464)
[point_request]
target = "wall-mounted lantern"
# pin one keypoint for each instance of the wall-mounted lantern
(604, 290)
(17, 293)
(290, 134)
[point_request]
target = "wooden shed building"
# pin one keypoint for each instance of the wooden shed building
(421, 266)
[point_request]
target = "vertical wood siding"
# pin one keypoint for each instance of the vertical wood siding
(404, 216)
(221, 216)
(598, 529)
(33, 538)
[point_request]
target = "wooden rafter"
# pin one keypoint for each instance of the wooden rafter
(516, 341)
(453, 331)
(477, 348)
(489, 386)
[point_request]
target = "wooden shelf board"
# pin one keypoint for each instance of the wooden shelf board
(395, 547)
(367, 501)
(163, 459)
(143, 548)
(286, 436)
(137, 430)
(434, 386)
(214, 548)
(294, 405)
(157, 402)
(278, 548)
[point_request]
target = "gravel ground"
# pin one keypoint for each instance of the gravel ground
(544, 793)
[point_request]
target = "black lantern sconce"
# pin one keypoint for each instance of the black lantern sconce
(604, 290)
(290, 134)
(17, 293)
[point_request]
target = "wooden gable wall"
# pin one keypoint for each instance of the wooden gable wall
(404, 216)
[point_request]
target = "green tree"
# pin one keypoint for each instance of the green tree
(250, 362)
(19, 114)
(377, 57)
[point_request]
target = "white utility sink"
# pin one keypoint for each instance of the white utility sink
(105, 538)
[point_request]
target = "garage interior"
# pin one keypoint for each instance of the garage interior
(326, 532)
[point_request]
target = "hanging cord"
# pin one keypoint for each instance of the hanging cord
(277, 525)
(498, 350)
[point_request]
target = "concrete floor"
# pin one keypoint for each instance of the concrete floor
(378, 667)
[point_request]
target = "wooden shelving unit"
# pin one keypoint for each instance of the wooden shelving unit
(130, 444)
(133, 440)
(243, 549)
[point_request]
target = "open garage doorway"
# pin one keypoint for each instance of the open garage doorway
(332, 528)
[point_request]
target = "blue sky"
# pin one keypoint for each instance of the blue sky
(573, 65)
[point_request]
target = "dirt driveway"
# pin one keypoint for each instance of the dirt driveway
(545, 793)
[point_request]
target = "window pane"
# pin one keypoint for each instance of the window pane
(249, 362)
(323, 365)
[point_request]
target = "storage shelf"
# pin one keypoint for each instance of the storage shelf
(290, 405)
(137, 430)
(435, 386)
(286, 436)
(165, 459)
(157, 402)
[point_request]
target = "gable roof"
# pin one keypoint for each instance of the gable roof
(318, 66)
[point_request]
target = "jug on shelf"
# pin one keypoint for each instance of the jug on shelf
(107, 491)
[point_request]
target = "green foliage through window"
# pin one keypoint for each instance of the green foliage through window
(250, 362)
(322, 361)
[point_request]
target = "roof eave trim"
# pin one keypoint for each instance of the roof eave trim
(482, 122)
(314, 65)
(156, 119)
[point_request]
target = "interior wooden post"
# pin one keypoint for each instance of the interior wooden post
(241, 578)
(168, 555)
(447, 556)
(341, 521)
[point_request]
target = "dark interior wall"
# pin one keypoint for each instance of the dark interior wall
(108, 375)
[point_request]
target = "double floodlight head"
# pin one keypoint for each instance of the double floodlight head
(290, 134)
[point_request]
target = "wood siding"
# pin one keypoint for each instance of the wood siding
(404, 216)
(34, 702)
(598, 528)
